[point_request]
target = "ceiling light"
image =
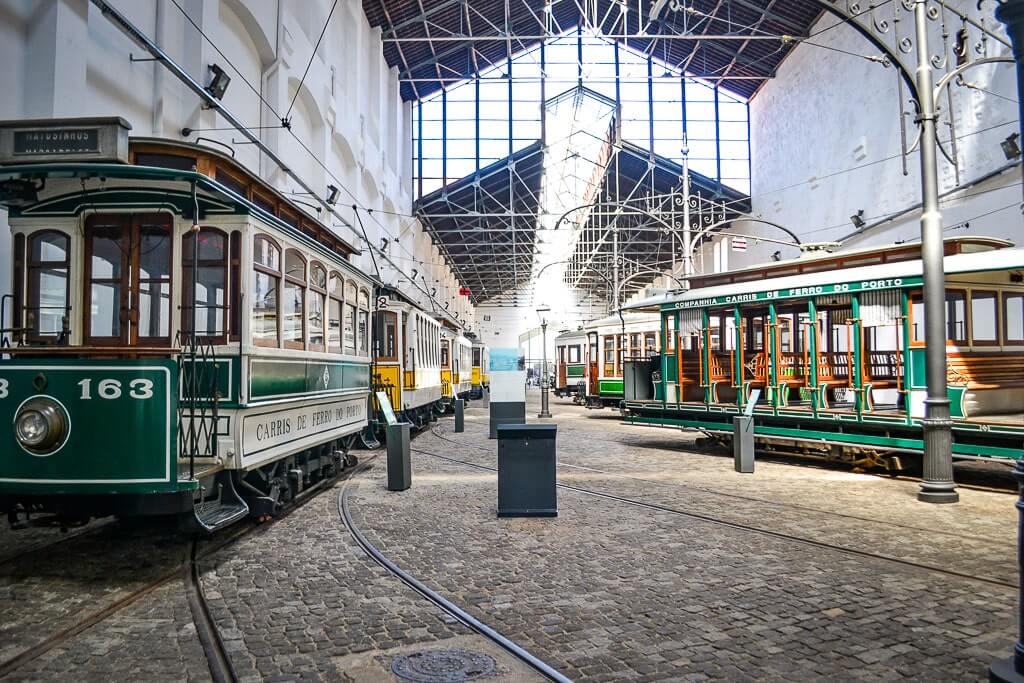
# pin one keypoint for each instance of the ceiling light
(219, 83)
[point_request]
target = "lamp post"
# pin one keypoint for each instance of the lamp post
(544, 412)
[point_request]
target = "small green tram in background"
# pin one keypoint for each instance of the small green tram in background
(613, 342)
(831, 352)
(570, 364)
(184, 341)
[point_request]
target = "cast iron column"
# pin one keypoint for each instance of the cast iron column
(937, 483)
(544, 370)
(1011, 13)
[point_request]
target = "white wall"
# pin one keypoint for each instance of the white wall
(62, 58)
(827, 112)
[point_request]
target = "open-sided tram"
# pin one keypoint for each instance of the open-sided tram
(831, 352)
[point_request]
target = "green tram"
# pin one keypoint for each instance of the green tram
(831, 352)
(615, 346)
(570, 364)
(184, 341)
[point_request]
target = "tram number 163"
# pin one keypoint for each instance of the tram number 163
(110, 389)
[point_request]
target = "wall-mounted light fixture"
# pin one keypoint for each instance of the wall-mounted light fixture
(219, 83)
(1011, 146)
(332, 195)
(858, 219)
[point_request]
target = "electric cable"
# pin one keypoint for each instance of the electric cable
(305, 73)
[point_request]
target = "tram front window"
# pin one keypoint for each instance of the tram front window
(48, 284)
(210, 301)
(154, 280)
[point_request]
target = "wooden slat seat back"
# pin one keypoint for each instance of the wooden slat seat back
(983, 371)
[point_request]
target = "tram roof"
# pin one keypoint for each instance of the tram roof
(862, 278)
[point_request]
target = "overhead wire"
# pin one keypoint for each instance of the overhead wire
(305, 73)
(357, 204)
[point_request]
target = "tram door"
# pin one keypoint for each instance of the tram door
(128, 279)
(592, 361)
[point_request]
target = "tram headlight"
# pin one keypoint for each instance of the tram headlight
(40, 425)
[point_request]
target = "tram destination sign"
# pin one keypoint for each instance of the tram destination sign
(797, 292)
(54, 140)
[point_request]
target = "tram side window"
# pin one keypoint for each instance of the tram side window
(293, 302)
(335, 304)
(349, 319)
(1013, 318)
(984, 317)
(476, 356)
(208, 308)
(266, 282)
(574, 354)
(49, 264)
(364, 323)
(651, 343)
(317, 297)
(609, 355)
(956, 317)
(445, 362)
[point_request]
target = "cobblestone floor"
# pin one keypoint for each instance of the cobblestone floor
(609, 591)
(605, 591)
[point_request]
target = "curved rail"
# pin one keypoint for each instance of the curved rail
(752, 529)
(182, 570)
(448, 606)
(217, 657)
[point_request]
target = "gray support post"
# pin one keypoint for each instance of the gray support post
(399, 465)
(1011, 13)
(460, 415)
(937, 483)
(743, 443)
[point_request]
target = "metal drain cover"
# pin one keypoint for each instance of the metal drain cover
(443, 666)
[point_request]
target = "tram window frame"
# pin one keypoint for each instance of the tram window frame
(916, 301)
(274, 276)
(335, 296)
(349, 317)
(608, 354)
(33, 294)
(476, 357)
(1016, 337)
(223, 264)
(291, 283)
(650, 344)
(992, 295)
(363, 323)
(389, 336)
(445, 355)
(317, 294)
(160, 288)
(575, 348)
(235, 285)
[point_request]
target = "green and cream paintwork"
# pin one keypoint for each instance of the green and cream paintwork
(980, 431)
(273, 402)
(609, 385)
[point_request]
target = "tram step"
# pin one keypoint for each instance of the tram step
(224, 510)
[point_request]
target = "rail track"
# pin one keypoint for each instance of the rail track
(437, 599)
(188, 570)
(34, 548)
(750, 529)
(736, 496)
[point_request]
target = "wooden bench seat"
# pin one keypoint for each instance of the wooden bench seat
(980, 372)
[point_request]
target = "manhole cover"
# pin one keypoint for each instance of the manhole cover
(443, 666)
